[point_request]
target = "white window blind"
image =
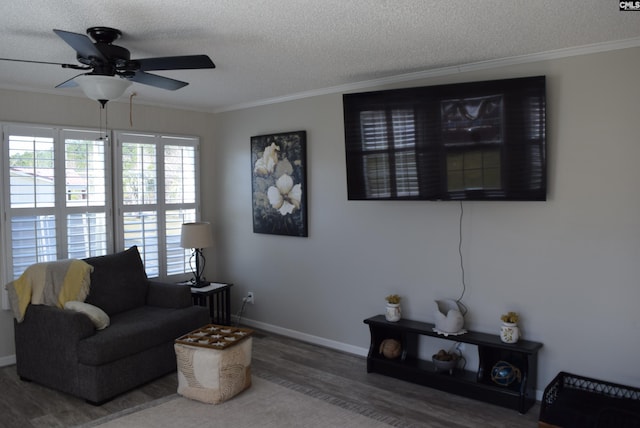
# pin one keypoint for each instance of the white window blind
(180, 199)
(157, 181)
(56, 200)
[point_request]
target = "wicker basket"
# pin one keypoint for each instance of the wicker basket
(576, 401)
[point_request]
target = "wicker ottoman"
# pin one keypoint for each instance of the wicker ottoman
(214, 363)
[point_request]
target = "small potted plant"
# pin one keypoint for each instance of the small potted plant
(393, 311)
(510, 318)
(509, 332)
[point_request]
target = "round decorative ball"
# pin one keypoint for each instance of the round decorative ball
(504, 373)
(390, 348)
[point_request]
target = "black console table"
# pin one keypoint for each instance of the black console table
(519, 395)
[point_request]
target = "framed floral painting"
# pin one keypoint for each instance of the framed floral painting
(278, 179)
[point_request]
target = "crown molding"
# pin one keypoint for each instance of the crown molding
(444, 71)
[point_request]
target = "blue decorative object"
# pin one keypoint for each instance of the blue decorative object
(504, 373)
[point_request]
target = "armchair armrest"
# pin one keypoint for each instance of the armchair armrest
(44, 323)
(168, 295)
(47, 338)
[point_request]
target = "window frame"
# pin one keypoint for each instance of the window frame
(161, 207)
(60, 208)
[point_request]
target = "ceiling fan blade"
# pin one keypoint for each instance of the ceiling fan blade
(157, 81)
(77, 67)
(69, 83)
(186, 62)
(82, 44)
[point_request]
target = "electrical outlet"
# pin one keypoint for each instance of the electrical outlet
(249, 297)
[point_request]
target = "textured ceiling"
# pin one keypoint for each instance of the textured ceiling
(270, 49)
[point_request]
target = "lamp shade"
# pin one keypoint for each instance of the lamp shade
(99, 87)
(196, 235)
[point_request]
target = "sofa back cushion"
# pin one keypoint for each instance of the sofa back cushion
(118, 282)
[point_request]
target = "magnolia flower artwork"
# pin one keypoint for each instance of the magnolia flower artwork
(279, 183)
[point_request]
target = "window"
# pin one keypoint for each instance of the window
(57, 195)
(158, 190)
(59, 201)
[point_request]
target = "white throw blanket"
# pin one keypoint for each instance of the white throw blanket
(49, 283)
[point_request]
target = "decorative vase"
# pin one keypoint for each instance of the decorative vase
(509, 332)
(393, 312)
(449, 318)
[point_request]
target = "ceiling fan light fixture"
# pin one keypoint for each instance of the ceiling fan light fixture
(99, 87)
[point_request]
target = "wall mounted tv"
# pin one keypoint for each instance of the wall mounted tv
(469, 141)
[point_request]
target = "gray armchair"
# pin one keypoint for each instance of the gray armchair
(62, 349)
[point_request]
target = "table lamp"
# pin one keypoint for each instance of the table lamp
(197, 236)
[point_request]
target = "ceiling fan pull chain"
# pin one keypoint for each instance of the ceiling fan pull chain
(106, 123)
(100, 107)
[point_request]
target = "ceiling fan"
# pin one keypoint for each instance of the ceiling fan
(111, 69)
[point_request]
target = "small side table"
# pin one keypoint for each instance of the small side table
(219, 301)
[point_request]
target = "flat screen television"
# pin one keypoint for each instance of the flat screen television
(469, 141)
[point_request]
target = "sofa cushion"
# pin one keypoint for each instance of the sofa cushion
(118, 281)
(137, 330)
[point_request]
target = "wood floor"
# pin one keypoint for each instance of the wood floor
(334, 376)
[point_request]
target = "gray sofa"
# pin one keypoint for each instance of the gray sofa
(62, 349)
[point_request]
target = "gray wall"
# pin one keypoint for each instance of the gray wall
(569, 266)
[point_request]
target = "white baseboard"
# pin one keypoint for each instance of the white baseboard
(316, 340)
(9, 360)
